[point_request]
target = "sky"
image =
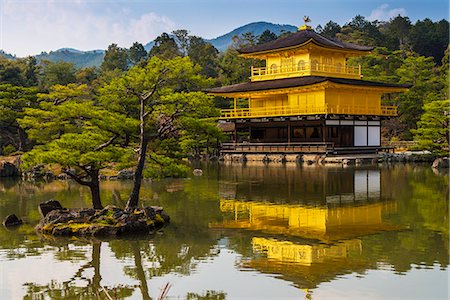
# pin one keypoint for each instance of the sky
(28, 27)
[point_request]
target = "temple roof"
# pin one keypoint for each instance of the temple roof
(301, 37)
(297, 82)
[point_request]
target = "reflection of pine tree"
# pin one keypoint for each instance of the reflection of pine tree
(71, 289)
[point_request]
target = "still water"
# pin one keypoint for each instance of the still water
(245, 232)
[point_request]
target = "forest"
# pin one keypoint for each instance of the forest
(152, 100)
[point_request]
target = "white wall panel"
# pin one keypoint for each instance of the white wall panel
(360, 135)
(374, 136)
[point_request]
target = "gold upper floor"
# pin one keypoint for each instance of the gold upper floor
(311, 60)
(303, 68)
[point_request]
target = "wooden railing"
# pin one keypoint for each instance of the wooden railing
(308, 69)
(279, 111)
(310, 147)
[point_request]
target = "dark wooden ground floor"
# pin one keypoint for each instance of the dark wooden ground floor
(304, 136)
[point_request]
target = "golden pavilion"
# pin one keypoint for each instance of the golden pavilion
(307, 98)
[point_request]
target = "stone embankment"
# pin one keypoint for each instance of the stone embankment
(8, 169)
(354, 159)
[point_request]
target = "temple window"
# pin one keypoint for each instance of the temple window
(301, 65)
(273, 68)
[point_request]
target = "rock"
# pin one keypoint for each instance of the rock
(8, 170)
(125, 175)
(441, 163)
(12, 220)
(109, 221)
(63, 176)
(48, 206)
(197, 172)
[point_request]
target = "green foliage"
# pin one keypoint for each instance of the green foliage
(19, 72)
(59, 72)
(267, 36)
(173, 106)
(429, 38)
(432, 129)
(75, 133)
(137, 54)
(233, 68)
(161, 166)
(362, 32)
(165, 47)
(14, 100)
(420, 72)
(76, 149)
(87, 75)
(330, 30)
(205, 55)
(182, 39)
(380, 65)
(115, 58)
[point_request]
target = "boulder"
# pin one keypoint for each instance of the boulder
(48, 206)
(8, 169)
(125, 175)
(12, 220)
(197, 172)
(441, 163)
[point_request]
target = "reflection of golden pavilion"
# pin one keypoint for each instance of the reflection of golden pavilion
(308, 262)
(304, 254)
(322, 222)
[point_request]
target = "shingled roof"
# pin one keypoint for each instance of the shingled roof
(301, 37)
(297, 82)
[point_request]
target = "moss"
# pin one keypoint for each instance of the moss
(48, 228)
(105, 220)
(159, 219)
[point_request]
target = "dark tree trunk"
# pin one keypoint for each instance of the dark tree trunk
(133, 201)
(95, 190)
(22, 139)
(93, 184)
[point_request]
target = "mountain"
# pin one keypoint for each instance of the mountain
(81, 59)
(94, 58)
(7, 55)
(257, 28)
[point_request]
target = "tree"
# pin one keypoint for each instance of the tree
(20, 72)
(432, 129)
(330, 30)
(182, 38)
(362, 32)
(137, 54)
(205, 55)
(115, 58)
(60, 72)
(420, 72)
(234, 68)
(267, 36)
(165, 47)
(399, 28)
(13, 101)
(72, 131)
(429, 38)
(160, 96)
(87, 75)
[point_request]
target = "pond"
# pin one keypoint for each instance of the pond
(254, 231)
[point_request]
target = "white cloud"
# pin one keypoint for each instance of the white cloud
(29, 27)
(383, 13)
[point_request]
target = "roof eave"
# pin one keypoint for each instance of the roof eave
(259, 53)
